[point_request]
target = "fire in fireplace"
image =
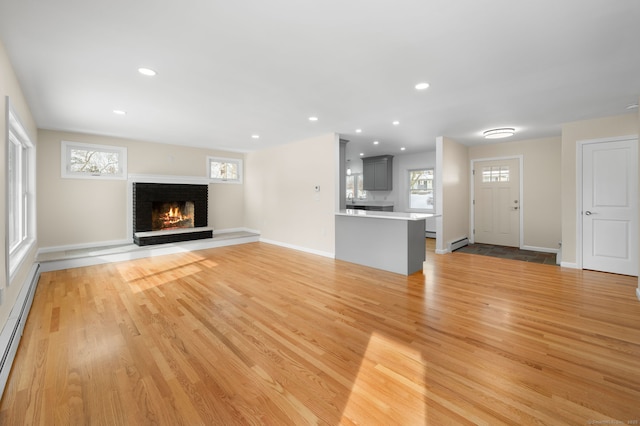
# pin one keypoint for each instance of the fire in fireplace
(172, 215)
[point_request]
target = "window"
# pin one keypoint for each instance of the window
(495, 174)
(421, 189)
(88, 161)
(355, 186)
(227, 170)
(20, 193)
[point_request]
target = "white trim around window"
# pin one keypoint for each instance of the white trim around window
(20, 226)
(224, 170)
(421, 191)
(99, 162)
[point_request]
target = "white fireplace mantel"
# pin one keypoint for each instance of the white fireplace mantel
(193, 180)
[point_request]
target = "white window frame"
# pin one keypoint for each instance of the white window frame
(409, 208)
(358, 195)
(65, 156)
(237, 161)
(20, 179)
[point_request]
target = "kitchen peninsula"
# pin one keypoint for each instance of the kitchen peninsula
(393, 241)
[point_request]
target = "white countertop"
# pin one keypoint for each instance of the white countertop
(383, 215)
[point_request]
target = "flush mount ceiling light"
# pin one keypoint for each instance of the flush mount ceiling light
(119, 112)
(402, 148)
(396, 123)
(254, 136)
(422, 86)
(147, 71)
(358, 130)
(313, 118)
(502, 132)
(376, 142)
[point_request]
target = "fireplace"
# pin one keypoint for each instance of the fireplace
(166, 212)
(172, 215)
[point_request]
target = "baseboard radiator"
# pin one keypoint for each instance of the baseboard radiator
(12, 331)
(455, 245)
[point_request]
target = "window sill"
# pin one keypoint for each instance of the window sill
(18, 256)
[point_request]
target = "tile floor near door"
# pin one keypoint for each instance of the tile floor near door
(514, 253)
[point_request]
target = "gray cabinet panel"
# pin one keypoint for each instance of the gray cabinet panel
(378, 173)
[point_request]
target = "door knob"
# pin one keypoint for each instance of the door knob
(588, 213)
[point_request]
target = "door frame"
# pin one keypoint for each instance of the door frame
(579, 182)
(520, 159)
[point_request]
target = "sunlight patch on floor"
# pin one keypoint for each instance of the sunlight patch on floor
(152, 273)
(389, 386)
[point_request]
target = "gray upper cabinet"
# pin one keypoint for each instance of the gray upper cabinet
(378, 173)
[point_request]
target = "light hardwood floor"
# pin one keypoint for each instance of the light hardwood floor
(259, 334)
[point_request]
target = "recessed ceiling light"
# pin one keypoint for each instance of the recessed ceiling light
(313, 118)
(502, 132)
(632, 106)
(119, 112)
(147, 71)
(255, 136)
(376, 142)
(361, 154)
(396, 123)
(358, 130)
(402, 148)
(422, 86)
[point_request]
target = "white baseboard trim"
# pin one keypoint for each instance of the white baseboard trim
(541, 249)
(638, 292)
(299, 248)
(442, 251)
(12, 330)
(571, 265)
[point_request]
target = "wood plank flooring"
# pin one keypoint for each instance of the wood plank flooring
(259, 334)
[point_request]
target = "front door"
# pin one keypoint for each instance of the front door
(497, 202)
(610, 206)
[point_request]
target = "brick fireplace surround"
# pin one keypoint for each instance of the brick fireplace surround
(144, 194)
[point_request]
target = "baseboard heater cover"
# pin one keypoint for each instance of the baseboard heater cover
(12, 331)
(455, 245)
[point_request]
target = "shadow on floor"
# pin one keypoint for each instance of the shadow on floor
(509, 253)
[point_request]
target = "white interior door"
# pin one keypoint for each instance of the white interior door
(610, 206)
(497, 202)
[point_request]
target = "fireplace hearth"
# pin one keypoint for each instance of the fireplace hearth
(166, 212)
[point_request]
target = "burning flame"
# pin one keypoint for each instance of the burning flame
(173, 216)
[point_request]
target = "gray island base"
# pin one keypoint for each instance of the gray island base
(392, 241)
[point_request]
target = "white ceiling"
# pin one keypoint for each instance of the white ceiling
(229, 69)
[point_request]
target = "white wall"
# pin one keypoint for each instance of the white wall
(9, 86)
(76, 212)
(280, 197)
(452, 183)
(541, 192)
(572, 133)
